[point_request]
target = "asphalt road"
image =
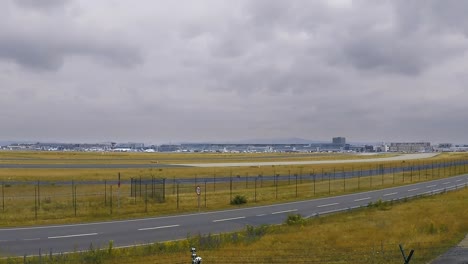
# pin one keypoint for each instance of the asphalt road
(68, 238)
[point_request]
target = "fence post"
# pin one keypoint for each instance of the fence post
(344, 180)
(177, 195)
(3, 196)
(230, 188)
(296, 183)
(75, 200)
(255, 189)
(164, 189)
(247, 180)
(38, 195)
(105, 192)
(35, 202)
(140, 186)
(110, 200)
(276, 186)
(146, 197)
(314, 182)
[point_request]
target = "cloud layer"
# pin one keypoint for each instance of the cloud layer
(231, 70)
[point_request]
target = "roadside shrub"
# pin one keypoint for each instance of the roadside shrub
(381, 205)
(238, 200)
(254, 233)
(295, 219)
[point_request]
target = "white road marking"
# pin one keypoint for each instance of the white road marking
(31, 239)
(446, 183)
(286, 211)
(415, 189)
(157, 227)
(430, 186)
(78, 235)
(388, 194)
(261, 215)
(228, 219)
(325, 205)
(362, 199)
(459, 180)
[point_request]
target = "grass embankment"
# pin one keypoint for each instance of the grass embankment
(428, 225)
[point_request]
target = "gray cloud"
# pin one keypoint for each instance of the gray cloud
(42, 4)
(160, 72)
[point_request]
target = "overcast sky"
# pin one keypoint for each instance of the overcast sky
(211, 70)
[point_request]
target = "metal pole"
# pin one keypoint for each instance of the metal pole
(276, 187)
(38, 195)
(359, 179)
(344, 181)
(140, 186)
(296, 183)
(177, 195)
(146, 197)
(255, 190)
(230, 189)
(35, 203)
(314, 184)
(73, 193)
(75, 200)
(3, 196)
(205, 193)
(105, 192)
(118, 192)
(164, 189)
(110, 199)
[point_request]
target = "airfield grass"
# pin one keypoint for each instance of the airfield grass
(429, 225)
(26, 204)
(33, 157)
(195, 172)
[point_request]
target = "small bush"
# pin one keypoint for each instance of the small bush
(381, 205)
(238, 200)
(254, 233)
(295, 219)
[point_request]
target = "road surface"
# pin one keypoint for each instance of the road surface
(68, 238)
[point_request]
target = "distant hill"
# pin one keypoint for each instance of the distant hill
(293, 140)
(6, 143)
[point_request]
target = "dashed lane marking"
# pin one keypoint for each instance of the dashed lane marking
(325, 205)
(228, 219)
(286, 211)
(362, 199)
(78, 235)
(157, 227)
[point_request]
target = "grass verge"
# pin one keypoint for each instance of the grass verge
(429, 225)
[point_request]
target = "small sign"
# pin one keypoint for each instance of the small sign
(198, 190)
